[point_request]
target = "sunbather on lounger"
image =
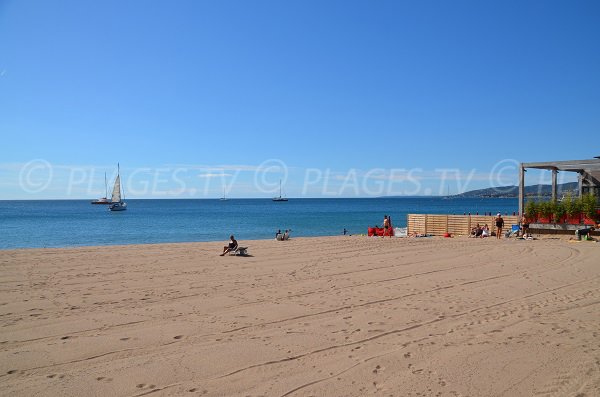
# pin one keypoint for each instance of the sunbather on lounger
(233, 244)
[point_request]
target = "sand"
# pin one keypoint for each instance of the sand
(335, 316)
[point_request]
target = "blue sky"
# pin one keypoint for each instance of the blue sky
(332, 90)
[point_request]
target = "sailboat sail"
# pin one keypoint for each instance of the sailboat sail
(116, 193)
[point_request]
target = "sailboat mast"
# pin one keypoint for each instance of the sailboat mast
(120, 187)
(105, 186)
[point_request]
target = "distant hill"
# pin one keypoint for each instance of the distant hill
(513, 191)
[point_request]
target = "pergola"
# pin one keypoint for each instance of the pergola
(588, 179)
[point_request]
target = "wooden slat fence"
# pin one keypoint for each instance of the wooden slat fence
(454, 224)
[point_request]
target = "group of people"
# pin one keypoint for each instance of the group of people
(476, 232)
(480, 231)
(279, 236)
(233, 246)
(484, 231)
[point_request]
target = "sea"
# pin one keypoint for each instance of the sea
(73, 223)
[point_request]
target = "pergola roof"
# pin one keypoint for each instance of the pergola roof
(589, 166)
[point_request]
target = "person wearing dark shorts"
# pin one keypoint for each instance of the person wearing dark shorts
(584, 232)
(524, 226)
(499, 225)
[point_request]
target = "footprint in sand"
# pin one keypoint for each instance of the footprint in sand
(103, 379)
(178, 337)
(145, 386)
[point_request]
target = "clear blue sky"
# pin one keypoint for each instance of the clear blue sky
(327, 85)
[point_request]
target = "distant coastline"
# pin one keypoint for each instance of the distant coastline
(513, 191)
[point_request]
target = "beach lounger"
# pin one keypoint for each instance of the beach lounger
(514, 231)
(239, 251)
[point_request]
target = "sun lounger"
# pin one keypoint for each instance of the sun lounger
(239, 251)
(514, 231)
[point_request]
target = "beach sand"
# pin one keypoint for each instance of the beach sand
(333, 316)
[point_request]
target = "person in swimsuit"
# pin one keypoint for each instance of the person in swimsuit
(485, 231)
(386, 226)
(499, 225)
(231, 246)
(476, 231)
(524, 226)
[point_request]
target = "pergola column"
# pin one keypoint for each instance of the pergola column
(521, 189)
(554, 187)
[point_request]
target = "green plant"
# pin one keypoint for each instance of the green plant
(588, 205)
(531, 210)
(571, 206)
(559, 210)
(545, 209)
(578, 205)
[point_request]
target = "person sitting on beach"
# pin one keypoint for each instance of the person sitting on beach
(485, 231)
(476, 231)
(585, 233)
(286, 235)
(499, 225)
(277, 233)
(232, 246)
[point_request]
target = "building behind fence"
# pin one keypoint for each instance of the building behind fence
(438, 225)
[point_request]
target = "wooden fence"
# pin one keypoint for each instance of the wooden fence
(438, 225)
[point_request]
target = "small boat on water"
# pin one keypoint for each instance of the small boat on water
(117, 202)
(103, 200)
(223, 198)
(280, 198)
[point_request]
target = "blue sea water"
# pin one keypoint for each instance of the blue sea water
(56, 223)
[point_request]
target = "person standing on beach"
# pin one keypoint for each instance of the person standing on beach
(524, 226)
(499, 225)
(386, 226)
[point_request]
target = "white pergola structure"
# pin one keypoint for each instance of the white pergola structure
(588, 180)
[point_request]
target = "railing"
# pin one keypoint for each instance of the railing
(439, 225)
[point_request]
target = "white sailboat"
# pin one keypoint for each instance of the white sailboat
(223, 198)
(280, 198)
(103, 200)
(117, 202)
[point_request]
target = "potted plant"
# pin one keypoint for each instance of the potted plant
(588, 207)
(559, 211)
(572, 209)
(544, 212)
(531, 211)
